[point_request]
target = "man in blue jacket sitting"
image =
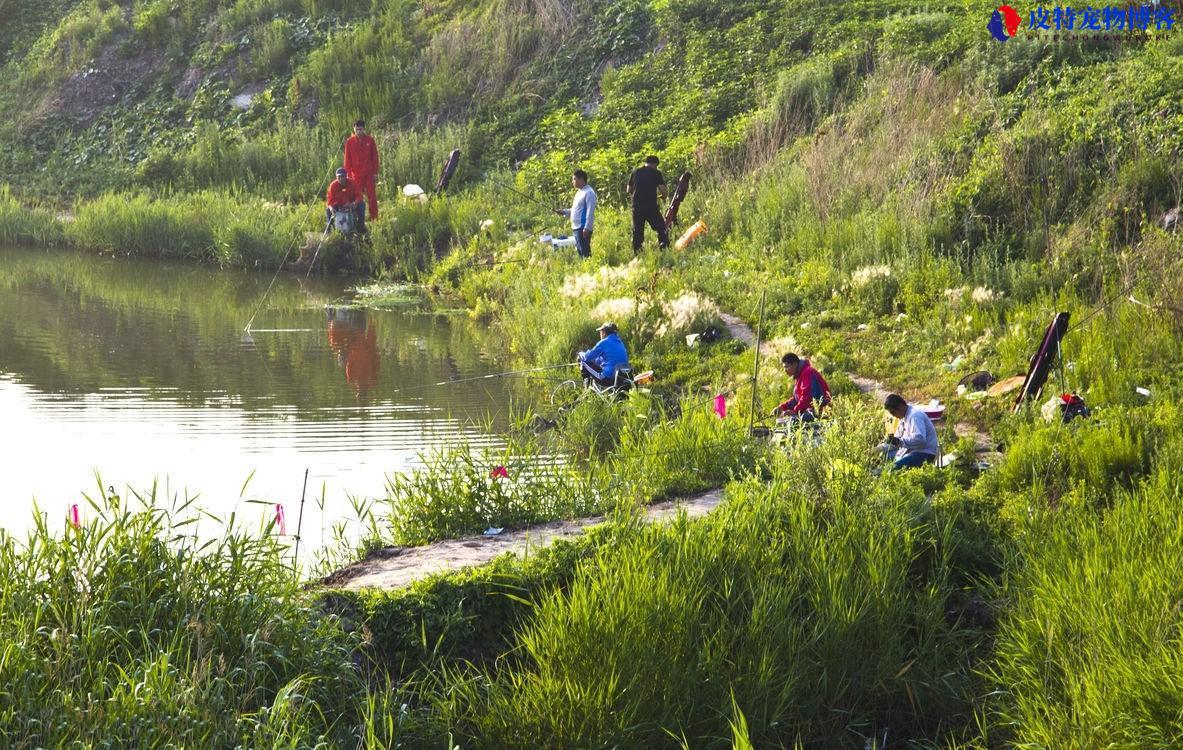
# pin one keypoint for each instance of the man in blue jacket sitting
(602, 362)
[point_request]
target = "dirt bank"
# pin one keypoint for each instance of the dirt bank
(396, 567)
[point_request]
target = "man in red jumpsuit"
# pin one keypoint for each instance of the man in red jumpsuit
(361, 162)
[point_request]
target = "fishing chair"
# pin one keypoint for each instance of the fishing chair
(622, 381)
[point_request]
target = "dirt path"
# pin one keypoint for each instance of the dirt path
(741, 331)
(397, 567)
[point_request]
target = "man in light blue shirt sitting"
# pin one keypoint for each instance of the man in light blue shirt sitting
(915, 439)
(582, 213)
(603, 361)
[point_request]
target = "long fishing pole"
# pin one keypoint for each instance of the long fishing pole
(247, 327)
(300, 522)
(484, 377)
(319, 245)
(530, 198)
(263, 299)
(756, 364)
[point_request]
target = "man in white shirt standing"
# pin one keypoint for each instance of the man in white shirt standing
(915, 438)
(582, 213)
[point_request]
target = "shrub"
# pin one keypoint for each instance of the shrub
(21, 224)
(130, 630)
(805, 614)
(1087, 647)
(455, 493)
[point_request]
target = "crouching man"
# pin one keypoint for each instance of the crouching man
(914, 443)
(344, 195)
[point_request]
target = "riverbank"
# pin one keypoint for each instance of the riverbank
(234, 228)
(926, 590)
(392, 568)
(889, 192)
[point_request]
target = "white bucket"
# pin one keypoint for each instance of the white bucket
(414, 191)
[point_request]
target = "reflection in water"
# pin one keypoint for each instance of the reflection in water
(140, 370)
(356, 347)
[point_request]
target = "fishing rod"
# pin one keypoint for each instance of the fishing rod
(263, 299)
(319, 245)
(300, 522)
(484, 377)
(530, 198)
(1105, 305)
(247, 327)
(756, 362)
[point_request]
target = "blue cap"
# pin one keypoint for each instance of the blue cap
(341, 172)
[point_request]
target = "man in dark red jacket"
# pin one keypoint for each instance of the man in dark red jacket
(810, 390)
(361, 162)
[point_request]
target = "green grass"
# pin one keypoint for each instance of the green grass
(26, 225)
(1087, 652)
(823, 620)
(219, 228)
(600, 458)
(904, 193)
(140, 629)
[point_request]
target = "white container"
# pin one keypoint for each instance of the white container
(545, 238)
(563, 242)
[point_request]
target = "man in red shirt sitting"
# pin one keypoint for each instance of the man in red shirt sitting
(343, 195)
(810, 390)
(361, 162)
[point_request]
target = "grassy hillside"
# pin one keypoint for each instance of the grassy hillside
(913, 201)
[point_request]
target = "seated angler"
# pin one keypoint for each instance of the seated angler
(603, 361)
(344, 195)
(810, 391)
(915, 439)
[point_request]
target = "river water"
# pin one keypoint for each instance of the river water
(139, 373)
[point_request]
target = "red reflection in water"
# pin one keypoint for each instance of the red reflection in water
(355, 343)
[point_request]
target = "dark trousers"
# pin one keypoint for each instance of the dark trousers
(583, 244)
(595, 373)
(651, 216)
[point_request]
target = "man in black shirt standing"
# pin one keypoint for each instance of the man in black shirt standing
(645, 184)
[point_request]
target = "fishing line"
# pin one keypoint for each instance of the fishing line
(263, 299)
(247, 328)
(1104, 306)
(530, 198)
(319, 245)
(482, 377)
(756, 361)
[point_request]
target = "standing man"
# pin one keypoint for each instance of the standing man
(644, 185)
(810, 390)
(361, 162)
(915, 439)
(582, 213)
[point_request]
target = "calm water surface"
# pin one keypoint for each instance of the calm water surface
(140, 371)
